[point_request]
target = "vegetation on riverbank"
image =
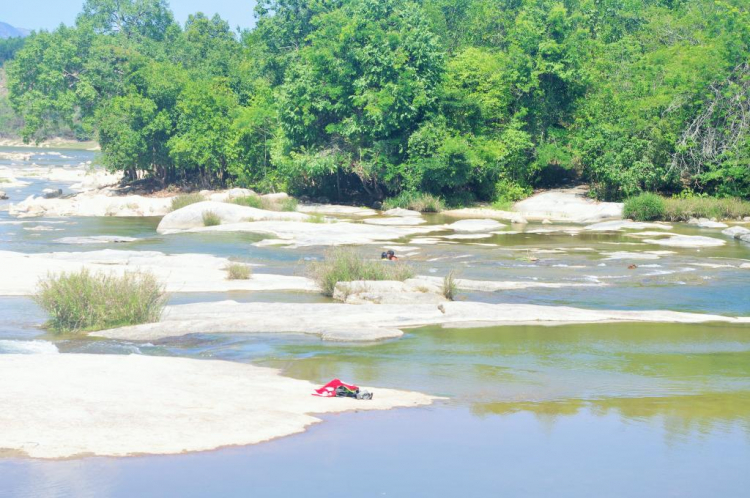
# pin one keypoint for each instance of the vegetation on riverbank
(269, 204)
(364, 99)
(86, 301)
(424, 203)
(649, 207)
(344, 264)
(183, 200)
(211, 219)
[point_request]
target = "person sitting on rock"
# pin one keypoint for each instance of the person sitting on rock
(391, 256)
(384, 255)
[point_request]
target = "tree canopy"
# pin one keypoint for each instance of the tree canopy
(466, 99)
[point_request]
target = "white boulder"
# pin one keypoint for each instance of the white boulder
(191, 216)
(475, 225)
(706, 223)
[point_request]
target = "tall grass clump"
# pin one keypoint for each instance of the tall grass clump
(211, 219)
(684, 208)
(645, 207)
(85, 301)
(343, 264)
(417, 201)
(181, 201)
(450, 287)
(316, 218)
(258, 202)
(238, 271)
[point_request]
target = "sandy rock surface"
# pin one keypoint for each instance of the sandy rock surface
(92, 203)
(688, 241)
(475, 225)
(353, 322)
(618, 225)
(571, 204)
(302, 234)
(68, 405)
(192, 216)
(390, 292)
(178, 272)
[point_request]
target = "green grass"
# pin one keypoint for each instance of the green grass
(645, 207)
(181, 201)
(450, 288)
(417, 201)
(343, 264)
(4, 180)
(85, 301)
(730, 208)
(648, 207)
(238, 271)
(316, 218)
(258, 202)
(211, 219)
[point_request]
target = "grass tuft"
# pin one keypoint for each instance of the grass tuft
(343, 264)
(450, 288)
(258, 202)
(316, 218)
(85, 301)
(238, 271)
(181, 201)
(417, 201)
(211, 219)
(645, 207)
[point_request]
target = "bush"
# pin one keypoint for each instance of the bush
(185, 200)
(348, 265)
(238, 271)
(684, 208)
(96, 301)
(253, 201)
(211, 219)
(645, 207)
(450, 288)
(424, 203)
(510, 191)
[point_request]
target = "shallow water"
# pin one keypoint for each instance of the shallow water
(607, 409)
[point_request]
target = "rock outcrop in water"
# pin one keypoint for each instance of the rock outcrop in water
(62, 406)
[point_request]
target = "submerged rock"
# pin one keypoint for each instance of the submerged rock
(96, 239)
(52, 193)
(736, 232)
(3, 195)
(706, 223)
(687, 241)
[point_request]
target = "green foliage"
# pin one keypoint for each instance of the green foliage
(645, 207)
(183, 200)
(9, 47)
(316, 218)
(373, 99)
(86, 301)
(417, 201)
(269, 204)
(728, 208)
(238, 271)
(211, 219)
(343, 264)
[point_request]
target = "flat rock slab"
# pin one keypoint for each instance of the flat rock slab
(397, 221)
(192, 216)
(688, 241)
(478, 225)
(329, 320)
(96, 239)
(68, 405)
(336, 210)
(571, 204)
(626, 225)
(178, 272)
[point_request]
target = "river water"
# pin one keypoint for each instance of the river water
(586, 410)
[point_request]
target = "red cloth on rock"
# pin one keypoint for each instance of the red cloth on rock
(329, 390)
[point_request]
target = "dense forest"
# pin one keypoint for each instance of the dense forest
(465, 99)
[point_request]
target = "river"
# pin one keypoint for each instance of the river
(568, 411)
